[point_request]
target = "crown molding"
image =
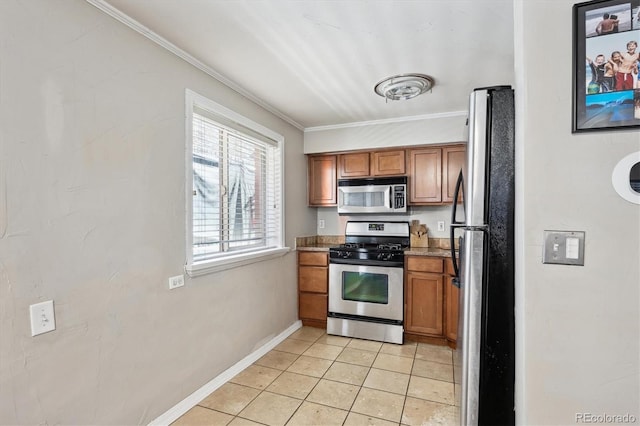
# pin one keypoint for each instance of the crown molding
(387, 121)
(161, 41)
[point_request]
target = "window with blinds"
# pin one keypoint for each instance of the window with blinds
(236, 199)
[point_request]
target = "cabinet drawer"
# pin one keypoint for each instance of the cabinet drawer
(313, 306)
(424, 264)
(313, 279)
(312, 258)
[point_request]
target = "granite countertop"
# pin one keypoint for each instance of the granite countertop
(428, 251)
(315, 247)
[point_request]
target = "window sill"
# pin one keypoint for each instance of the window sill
(229, 262)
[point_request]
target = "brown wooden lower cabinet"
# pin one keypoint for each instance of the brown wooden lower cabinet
(451, 295)
(431, 300)
(313, 284)
(313, 307)
(424, 299)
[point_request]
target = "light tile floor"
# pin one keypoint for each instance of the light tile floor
(313, 378)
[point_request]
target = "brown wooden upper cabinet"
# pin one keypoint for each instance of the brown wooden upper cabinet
(371, 163)
(388, 163)
(433, 172)
(453, 160)
(356, 164)
(425, 175)
(322, 183)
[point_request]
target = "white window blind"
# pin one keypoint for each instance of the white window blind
(236, 199)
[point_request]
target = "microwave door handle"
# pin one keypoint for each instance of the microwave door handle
(390, 197)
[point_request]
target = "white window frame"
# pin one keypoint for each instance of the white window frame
(231, 260)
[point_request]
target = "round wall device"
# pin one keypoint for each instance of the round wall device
(626, 178)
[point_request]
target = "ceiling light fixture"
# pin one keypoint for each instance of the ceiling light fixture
(404, 86)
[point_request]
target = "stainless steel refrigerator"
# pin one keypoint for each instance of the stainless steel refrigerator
(484, 362)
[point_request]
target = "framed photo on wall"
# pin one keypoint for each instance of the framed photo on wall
(606, 62)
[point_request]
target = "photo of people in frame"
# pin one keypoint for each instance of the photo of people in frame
(608, 20)
(611, 66)
(612, 62)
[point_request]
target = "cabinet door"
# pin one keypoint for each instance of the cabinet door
(388, 163)
(354, 165)
(425, 176)
(451, 297)
(453, 160)
(424, 299)
(322, 188)
(313, 306)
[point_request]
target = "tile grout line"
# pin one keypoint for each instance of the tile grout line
(314, 386)
(333, 362)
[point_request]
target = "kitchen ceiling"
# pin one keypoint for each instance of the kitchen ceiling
(315, 63)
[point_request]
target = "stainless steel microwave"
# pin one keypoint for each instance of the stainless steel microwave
(372, 195)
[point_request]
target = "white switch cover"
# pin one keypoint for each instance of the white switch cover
(321, 224)
(441, 225)
(175, 282)
(572, 246)
(42, 318)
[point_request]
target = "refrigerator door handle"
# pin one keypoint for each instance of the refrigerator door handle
(456, 224)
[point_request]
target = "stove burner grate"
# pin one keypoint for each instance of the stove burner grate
(390, 246)
(352, 245)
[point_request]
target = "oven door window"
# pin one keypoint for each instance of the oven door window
(365, 287)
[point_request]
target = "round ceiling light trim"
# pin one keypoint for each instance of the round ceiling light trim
(404, 86)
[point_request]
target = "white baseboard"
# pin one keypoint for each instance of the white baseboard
(189, 402)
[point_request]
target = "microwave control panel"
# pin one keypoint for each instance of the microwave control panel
(399, 196)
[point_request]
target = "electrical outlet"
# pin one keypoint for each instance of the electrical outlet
(441, 225)
(175, 282)
(43, 318)
(321, 223)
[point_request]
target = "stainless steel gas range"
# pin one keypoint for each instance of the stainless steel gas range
(366, 281)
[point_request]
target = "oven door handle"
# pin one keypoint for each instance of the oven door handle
(385, 263)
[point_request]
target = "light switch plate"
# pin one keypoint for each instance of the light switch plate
(563, 247)
(43, 318)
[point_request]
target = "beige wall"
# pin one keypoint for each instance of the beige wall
(577, 327)
(92, 151)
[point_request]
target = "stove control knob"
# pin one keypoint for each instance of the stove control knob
(347, 254)
(379, 256)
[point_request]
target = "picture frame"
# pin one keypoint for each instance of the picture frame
(606, 62)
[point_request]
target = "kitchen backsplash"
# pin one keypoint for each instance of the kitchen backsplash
(334, 224)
